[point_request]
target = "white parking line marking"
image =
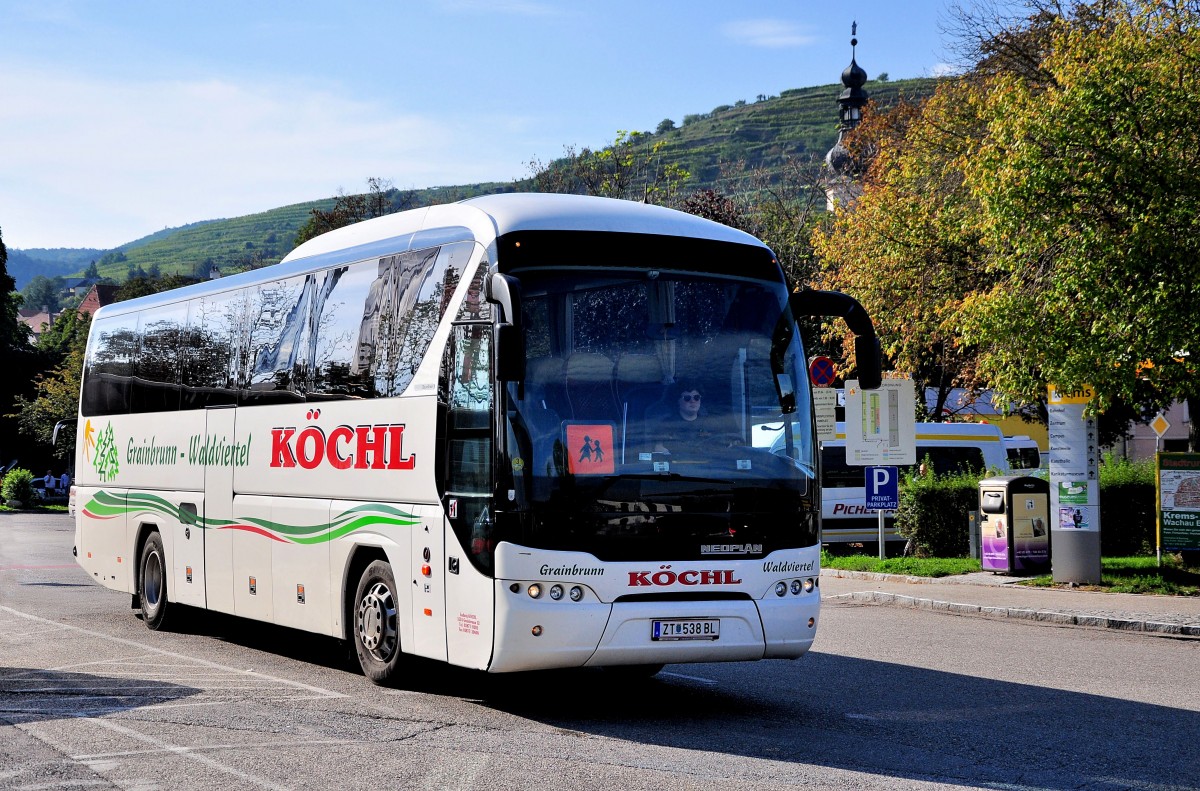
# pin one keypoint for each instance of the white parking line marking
(190, 660)
(690, 678)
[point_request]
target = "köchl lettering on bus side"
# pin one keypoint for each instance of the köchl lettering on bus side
(376, 447)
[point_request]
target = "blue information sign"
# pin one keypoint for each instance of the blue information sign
(883, 488)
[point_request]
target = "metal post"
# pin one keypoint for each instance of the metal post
(882, 554)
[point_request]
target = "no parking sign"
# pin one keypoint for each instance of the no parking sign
(821, 372)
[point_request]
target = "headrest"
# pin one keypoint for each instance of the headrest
(639, 369)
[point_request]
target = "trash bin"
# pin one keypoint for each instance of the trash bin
(1014, 516)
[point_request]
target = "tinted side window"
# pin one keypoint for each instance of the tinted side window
(109, 366)
(474, 306)
(277, 333)
(948, 460)
(376, 325)
(155, 383)
(211, 360)
(1024, 458)
(835, 473)
(334, 366)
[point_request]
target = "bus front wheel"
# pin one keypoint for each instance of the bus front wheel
(376, 627)
(152, 582)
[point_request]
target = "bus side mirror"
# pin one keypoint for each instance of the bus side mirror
(866, 354)
(787, 393)
(505, 291)
(810, 302)
(58, 427)
(510, 353)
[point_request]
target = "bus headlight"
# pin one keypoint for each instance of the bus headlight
(576, 593)
(781, 588)
(796, 587)
(535, 590)
(556, 592)
(809, 584)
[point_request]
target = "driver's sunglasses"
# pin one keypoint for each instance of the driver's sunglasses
(690, 397)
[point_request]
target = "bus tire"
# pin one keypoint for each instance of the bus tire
(376, 625)
(152, 583)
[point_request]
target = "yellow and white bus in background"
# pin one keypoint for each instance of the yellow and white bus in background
(436, 433)
(950, 447)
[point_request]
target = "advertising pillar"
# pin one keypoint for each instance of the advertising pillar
(1074, 487)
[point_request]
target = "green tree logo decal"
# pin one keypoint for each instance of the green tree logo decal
(106, 461)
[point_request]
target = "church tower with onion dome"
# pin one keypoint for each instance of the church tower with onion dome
(840, 186)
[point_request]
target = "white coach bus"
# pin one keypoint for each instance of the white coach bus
(449, 433)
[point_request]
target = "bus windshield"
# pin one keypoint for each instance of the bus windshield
(647, 421)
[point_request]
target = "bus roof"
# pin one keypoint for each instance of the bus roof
(480, 219)
(490, 216)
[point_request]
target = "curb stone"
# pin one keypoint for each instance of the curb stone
(1055, 617)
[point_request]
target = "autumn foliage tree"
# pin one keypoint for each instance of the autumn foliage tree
(909, 249)
(1036, 220)
(1089, 181)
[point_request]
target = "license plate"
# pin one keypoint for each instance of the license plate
(686, 629)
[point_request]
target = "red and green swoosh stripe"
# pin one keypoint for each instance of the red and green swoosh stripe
(366, 517)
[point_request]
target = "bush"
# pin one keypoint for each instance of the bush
(1127, 507)
(933, 510)
(933, 513)
(18, 485)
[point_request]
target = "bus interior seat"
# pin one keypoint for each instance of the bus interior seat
(639, 387)
(589, 384)
(545, 385)
(545, 403)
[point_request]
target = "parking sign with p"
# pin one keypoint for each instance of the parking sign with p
(883, 488)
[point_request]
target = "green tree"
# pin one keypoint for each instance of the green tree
(43, 292)
(1089, 183)
(14, 335)
(68, 331)
(55, 392)
(21, 363)
(630, 168)
(56, 398)
(380, 198)
(142, 285)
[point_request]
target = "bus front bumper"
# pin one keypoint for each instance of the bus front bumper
(533, 634)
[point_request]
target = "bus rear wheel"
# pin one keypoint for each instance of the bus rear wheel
(376, 627)
(152, 583)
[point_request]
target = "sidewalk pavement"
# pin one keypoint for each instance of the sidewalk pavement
(988, 595)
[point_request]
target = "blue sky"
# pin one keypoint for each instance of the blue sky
(119, 119)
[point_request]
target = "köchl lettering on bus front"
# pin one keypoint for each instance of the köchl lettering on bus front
(666, 577)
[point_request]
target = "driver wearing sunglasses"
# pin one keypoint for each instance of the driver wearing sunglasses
(690, 425)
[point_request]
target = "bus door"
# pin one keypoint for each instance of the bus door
(428, 558)
(218, 509)
(187, 543)
(467, 519)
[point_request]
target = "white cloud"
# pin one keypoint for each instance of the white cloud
(944, 70)
(768, 33)
(98, 163)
